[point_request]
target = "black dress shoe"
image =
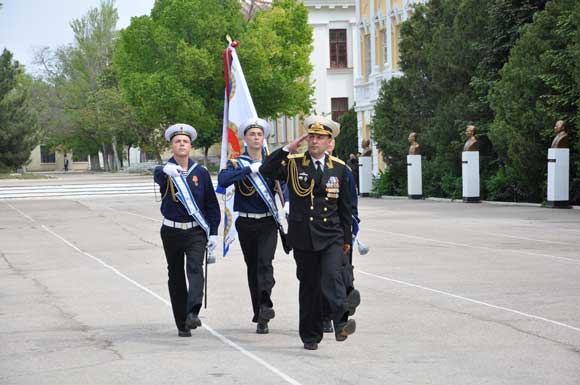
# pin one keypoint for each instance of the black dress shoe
(345, 329)
(184, 333)
(265, 314)
(192, 321)
(262, 328)
(310, 346)
(352, 301)
(327, 326)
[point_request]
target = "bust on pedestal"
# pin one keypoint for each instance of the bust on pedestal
(470, 167)
(559, 168)
(366, 168)
(414, 176)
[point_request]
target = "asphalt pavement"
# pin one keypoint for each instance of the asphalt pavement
(452, 293)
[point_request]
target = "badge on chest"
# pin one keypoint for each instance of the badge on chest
(332, 187)
(303, 177)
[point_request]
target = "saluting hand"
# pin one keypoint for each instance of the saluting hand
(293, 146)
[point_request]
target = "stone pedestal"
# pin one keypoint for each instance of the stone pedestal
(414, 177)
(365, 175)
(470, 176)
(558, 177)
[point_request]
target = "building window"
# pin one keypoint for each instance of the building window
(47, 155)
(368, 64)
(79, 156)
(339, 107)
(385, 46)
(338, 48)
(274, 132)
(284, 129)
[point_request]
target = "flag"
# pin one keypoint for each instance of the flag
(238, 107)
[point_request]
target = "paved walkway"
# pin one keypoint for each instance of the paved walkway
(452, 294)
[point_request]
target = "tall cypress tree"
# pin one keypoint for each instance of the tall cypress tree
(18, 125)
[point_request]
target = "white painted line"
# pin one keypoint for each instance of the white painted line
(469, 300)
(216, 334)
(76, 196)
(528, 239)
(577, 260)
(19, 212)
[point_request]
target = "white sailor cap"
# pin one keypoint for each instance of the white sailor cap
(180, 129)
(254, 122)
(321, 125)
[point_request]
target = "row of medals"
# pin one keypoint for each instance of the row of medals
(332, 187)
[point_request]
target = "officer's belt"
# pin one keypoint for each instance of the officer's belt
(254, 215)
(179, 225)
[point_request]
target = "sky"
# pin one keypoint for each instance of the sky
(28, 25)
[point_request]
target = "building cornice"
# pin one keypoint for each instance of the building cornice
(318, 4)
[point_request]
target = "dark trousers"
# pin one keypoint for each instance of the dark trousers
(347, 279)
(258, 238)
(189, 245)
(320, 275)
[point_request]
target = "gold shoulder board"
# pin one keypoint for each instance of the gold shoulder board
(295, 156)
(338, 160)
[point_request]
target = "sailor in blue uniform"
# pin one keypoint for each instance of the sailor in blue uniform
(191, 216)
(257, 221)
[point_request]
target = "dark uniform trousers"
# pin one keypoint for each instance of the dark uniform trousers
(347, 273)
(319, 224)
(320, 275)
(189, 244)
(258, 238)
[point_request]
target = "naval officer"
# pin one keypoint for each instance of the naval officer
(319, 226)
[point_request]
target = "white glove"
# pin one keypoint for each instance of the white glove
(212, 242)
(287, 208)
(172, 169)
(255, 167)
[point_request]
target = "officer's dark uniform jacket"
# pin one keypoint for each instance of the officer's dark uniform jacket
(320, 211)
(246, 199)
(200, 184)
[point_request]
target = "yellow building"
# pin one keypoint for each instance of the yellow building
(43, 159)
(379, 30)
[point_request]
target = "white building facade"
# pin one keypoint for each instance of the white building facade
(378, 31)
(334, 33)
(333, 58)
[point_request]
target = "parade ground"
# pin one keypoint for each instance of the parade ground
(452, 294)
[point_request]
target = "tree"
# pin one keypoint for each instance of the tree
(18, 126)
(171, 70)
(449, 65)
(346, 142)
(539, 85)
(275, 54)
(92, 109)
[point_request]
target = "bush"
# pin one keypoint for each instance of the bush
(383, 185)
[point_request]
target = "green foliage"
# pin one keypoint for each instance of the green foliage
(538, 86)
(382, 185)
(80, 104)
(346, 142)
(170, 66)
(275, 55)
(18, 124)
(451, 54)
